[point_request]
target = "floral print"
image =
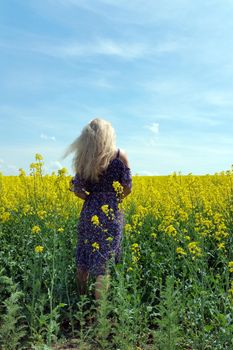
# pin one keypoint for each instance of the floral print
(100, 225)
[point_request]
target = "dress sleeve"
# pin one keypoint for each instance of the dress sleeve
(126, 176)
(77, 184)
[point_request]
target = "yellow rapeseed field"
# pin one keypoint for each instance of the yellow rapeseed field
(176, 225)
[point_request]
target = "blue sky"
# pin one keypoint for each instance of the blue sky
(160, 71)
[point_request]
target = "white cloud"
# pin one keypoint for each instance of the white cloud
(136, 11)
(129, 49)
(102, 46)
(46, 137)
(154, 128)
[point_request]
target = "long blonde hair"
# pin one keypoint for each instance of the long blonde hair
(94, 148)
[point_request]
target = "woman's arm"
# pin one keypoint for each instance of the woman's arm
(76, 189)
(124, 158)
(81, 195)
(126, 191)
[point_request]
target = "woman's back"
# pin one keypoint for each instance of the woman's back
(117, 170)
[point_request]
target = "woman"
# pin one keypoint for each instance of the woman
(102, 179)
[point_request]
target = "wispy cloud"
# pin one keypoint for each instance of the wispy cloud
(134, 11)
(191, 115)
(101, 46)
(128, 49)
(154, 127)
(46, 137)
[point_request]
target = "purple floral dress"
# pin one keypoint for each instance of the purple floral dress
(100, 226)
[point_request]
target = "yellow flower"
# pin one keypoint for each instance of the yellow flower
(26, 209)
(128, 228)
(21, 172)
(61, 229)
(62, 171)
(180, 251)
(230, 265)
(135, 258)
(5, 216)
(95, 220)
(135, 253)
(39, 249)
(135, 246)
(171, 231)
(95, 245)
(41, 214)
(153, 235)
(117, 187)
(194, 249)
(38, 156)
(183, 215)
(221, 246)
(36, 229)
(105, 209)
(34, 166)
(109, 238)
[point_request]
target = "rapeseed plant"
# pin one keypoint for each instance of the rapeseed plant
(39, 249)
(186, 215)
(36, 229)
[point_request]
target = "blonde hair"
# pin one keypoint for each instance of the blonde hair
(94, 148)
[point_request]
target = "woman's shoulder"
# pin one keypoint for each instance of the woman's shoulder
(121, 159)
(124, 157)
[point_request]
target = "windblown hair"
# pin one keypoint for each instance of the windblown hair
(94, 149)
